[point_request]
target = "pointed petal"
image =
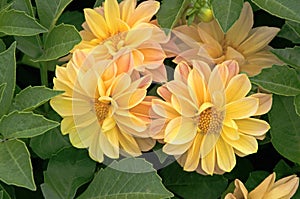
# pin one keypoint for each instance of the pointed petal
(112, 15)
(193, 154)
(109, 143)
(240, 190)
(126, 9)
(120, 84)
(144, 12)
(209, 143)
(176, 149)
(242, 108)
(95, 150)
(225, 156)
(131, 99)
(217, 79)
(252, 126)
(96, 23)
(208, 162)
(246, 144)
(181, 72)
(284, 188)
(238, 87)
(183, 106)
(230, 132)
(265, 103)
(263, 187)
(164, 109)
(128, 143)
(67, 125)
(197, 87)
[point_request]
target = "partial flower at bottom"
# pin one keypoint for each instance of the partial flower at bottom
(284, 188)
(206, 116)
(102, 111)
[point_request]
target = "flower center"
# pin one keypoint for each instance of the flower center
(210, 121)
(101, 109)
(114, 43)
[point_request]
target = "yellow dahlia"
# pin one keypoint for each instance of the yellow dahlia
(247, 45)
(126, 28)
(207, 116)
(103, 111)
(284, 188)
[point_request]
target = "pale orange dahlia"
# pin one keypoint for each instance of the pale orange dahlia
(247, 45)
(126, 28)
(207, 116)
(284, 188)
(103, 111)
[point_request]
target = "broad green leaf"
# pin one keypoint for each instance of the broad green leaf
(282, 169)
(170, 12)
(280, 80)
(50, 10)
(1, 194)
(255, 178)
(291, 31)
(241, 170)
(66, 172)
(7, 76)
(285, 9)
(59, 42)
(15, 165)
(128, 178)
(31, 45)
(24, 100)
(297, 104)
(5, 192)
(226, 12)
(289, 55)
(2, 46)
(23, 5)
(285, 125)
(28, 125)
(75, 18)
(18, 23)
(49, 143)
(2, 88)
(188, 184)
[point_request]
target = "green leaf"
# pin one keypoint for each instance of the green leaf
(289, 55)
(18, 23)
(75, 18)
(170, 12)
(25, 101)
(23, 5)
(2, 88)
(255, 178)
(191, 184)
(285, 125)
(226, 12)
(15, 165)
(59, 42)
(30, 45)
(49, 143)
(280, 80)
(291, 31)
(282, 169)
(7, 76)
(128, 178)
(5, 192)
(66, 172)
(98, 3)
(1, 194)
(285, 9)
(28, 125)
(297, 104)
(2, 46)
(50, 10)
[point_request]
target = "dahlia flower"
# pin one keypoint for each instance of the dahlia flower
(103, 111)
(284, 188)
(247, 45)
(206, 116)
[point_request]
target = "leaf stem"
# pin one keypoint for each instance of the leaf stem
(44, 80)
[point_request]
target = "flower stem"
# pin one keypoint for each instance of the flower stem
(44, 80)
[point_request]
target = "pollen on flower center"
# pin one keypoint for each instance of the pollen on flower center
(210, 120)
(101, 109)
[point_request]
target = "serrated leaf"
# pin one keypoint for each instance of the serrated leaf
(30, 45)
(289, 55)
(280, 80)
(255, 178)
(66, 172)
(15, 165)
(7, 76)
(297, 104)
(50, 10)
(186, 184)
(49, 143)
(60, 40)
(128, 178)
(291, 31)
(25, 101)
(285, 125)
(169, 13)
(285, 9)
(28, 125)
(23, 5)
(226, 12)
(18, 23)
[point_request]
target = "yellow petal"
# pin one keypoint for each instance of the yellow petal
(208, 162)
(263, 187)
(217, 79)
(126, 9)
(265, 103)
(136, 37)
(180, 130)
(144, 12)
(145, 144)
(242, 108)
(75, 140)
(240, 190)
(197, 87)
(183, 106)
(112, 15)
(95, 150)
(246, 144)
(238, 87)
(230, 132)
(209, 143)
(252, 126)
(203, 68)
(128, 143)
(178, 88)
(120, 84)
(109, 142)
(67, 125)
(164, 109)
(130, 123)
(130, 99)
(108, 124)
(225, 156)
(96, 23)
(176, 149)
(193, 154)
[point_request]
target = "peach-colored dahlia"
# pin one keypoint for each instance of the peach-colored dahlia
(247, 45)
(126, 28)
(284, 188)
(103, 111)
(206, 116)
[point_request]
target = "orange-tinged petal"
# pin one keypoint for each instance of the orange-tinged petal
(265, 103)
(184, 106)
(233, 68)
(164, 109)
(112, 15)
(129, 123)
(284, 188)
(145, 144)
(233, 54)
(130, 99)
(96, 23)
(136, 37)
(182, 71)
(178, 88)
(217, 79)
(242, 108)
(193, 154)
(225, 155)
(238, 87)
(120, 84)
(252, 126)
(176, 149)
(208, 162)
(263, 187)
(164, 92)
(246, 144)
(203, 68)
(180, 130)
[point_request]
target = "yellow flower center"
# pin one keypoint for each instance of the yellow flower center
(114, 43)
(210, 121)
(101, 109)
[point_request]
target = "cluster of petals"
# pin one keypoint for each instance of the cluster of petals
(207, 42)
(204, 118)
(267, 189)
